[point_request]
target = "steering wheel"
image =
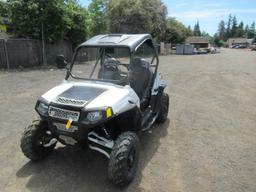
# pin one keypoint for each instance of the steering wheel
(118, 63)
(111, 64)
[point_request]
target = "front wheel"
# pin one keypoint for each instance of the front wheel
(36, 143)
(124, 159)
(164, 108)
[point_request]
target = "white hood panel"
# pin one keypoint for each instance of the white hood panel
(119, 98)
(54, 92)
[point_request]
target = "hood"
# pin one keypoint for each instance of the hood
(91, 95)
(79, 95)
(75, 94)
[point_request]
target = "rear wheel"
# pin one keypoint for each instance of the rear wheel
(164, 108)
(124, 159)
(36, 141)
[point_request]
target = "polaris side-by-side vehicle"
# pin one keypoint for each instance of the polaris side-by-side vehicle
(112, 91)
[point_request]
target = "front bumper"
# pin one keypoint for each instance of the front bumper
(77, 133)
(81, 135)
(58, 115)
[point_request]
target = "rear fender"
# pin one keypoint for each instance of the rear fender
(159, 84)
(157, 91)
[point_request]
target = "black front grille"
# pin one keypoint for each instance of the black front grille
(72, 102)
(63, 114)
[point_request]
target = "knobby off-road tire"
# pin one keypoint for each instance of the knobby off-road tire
(31, 141)
(164, 108)
(124, 158)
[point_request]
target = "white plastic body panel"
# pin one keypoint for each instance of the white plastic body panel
(54, 92)
(159, 82)
(119, 98)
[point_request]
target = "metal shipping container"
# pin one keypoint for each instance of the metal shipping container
(180, 49)
(188, 49)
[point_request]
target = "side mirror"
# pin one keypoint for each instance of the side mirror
(61, 61)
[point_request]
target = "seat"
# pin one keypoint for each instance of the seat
(140, 77)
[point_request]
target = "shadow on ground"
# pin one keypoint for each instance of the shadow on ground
(72, 169)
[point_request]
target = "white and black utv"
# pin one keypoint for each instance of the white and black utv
(112, 91)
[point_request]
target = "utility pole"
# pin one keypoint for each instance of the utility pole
(43, 46)
(41, 7)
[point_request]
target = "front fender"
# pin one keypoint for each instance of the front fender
(119, 99)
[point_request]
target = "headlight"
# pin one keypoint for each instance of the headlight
(94, 116)
(42, 108)
(97, 116)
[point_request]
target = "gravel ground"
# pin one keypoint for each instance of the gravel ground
(208, 143)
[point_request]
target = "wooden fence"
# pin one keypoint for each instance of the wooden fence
(16, 53)
(3, 56)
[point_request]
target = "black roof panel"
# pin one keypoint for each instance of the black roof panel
(117, 40)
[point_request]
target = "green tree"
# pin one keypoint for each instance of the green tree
(4, 16)
(208, 36)
(98, 17)
(76, 21)
(251, 31)
(233, 32)
(217, 41)
(233, 29)
(222, 30)
(246, 31)
(58, 19)
(29, 16)
(137, 16)
(197, 31)
(189, 31)
(176, 32)
(160, 26)
(228, 31)
(4, 12)
(240, 30)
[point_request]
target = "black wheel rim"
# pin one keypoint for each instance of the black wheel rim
(131, 159)
(42, 139)
(166, 108)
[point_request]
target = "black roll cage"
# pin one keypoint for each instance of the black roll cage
(103, 48)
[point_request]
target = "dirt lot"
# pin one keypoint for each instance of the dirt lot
(208, 143)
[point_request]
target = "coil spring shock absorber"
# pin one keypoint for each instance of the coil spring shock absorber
(107, 135)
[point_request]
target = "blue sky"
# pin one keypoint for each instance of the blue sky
(208, 13)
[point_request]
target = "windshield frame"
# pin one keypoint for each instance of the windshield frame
(99, 58)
